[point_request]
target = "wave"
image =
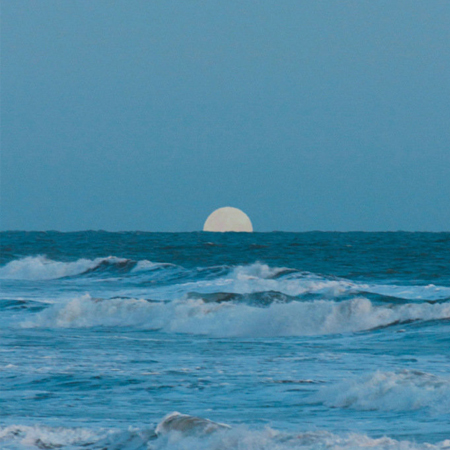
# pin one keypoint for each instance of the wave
(40, 268)
(228, 319)
(20, 304)
(258, 278)
(404, 390)
(36, 268)
(186, 424)
(179, 432)
(249, 279)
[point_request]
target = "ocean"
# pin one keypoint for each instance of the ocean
(199, 341)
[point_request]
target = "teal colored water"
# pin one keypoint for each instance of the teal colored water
(293, 340)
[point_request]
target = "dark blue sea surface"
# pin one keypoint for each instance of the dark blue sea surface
(224, 341)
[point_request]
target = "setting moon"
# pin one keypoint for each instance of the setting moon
(228, 219)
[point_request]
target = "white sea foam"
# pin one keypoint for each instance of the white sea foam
(404, 390)
(41, 268)
(236, 319)
(19, 437)
(42, 437)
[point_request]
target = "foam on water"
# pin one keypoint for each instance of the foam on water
(18, 437)
(296, 318)
(404, 390)
(269, 439)
(206, 436)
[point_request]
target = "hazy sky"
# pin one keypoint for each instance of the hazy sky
(148, 115)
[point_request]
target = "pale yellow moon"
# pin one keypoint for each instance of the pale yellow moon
(228, 219)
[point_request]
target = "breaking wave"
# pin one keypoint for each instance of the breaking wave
(404, 390)
(41, 268)
(227, 319)
(180, 432)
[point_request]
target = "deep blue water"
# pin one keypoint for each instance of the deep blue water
(294, 340)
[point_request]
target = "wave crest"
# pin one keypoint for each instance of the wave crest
(40, 268)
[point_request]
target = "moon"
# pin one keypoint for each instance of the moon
(228, 219)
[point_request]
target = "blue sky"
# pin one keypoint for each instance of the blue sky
(148, 115)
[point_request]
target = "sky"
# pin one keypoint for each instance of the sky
(148, 115)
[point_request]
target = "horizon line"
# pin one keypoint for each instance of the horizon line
(100, 230)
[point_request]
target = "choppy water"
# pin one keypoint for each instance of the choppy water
(294, 340)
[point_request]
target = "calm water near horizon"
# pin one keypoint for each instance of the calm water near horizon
(294, 340)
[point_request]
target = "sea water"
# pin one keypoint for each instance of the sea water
(290, 340)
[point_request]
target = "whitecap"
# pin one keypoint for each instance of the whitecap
(42, 268)
(194, 316)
